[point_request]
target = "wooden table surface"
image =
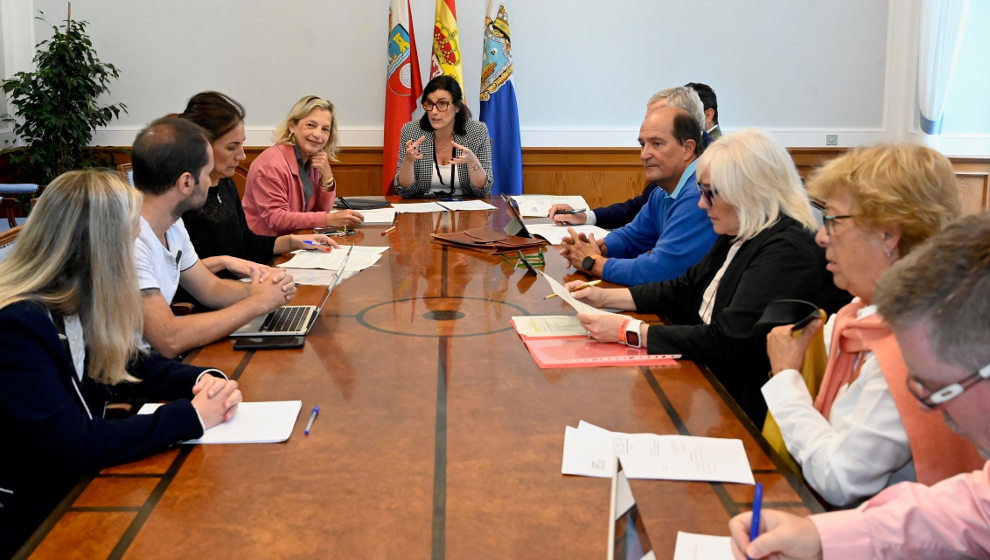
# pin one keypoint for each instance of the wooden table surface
(438, 436)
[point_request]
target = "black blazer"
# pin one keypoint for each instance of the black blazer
(621, 213)
(52, 428)
(780, 262)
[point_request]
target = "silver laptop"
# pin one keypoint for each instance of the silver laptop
(291, 320)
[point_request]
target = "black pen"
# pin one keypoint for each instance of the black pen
(581, 211)
(344, 203)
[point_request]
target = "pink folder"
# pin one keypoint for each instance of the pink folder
(579, 351)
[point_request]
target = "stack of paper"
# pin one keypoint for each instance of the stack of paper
(318, 268)
(590, 451)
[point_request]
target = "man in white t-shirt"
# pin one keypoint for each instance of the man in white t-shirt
(172, 161)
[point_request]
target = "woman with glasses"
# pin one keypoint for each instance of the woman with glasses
(290, 186)
(70, 323)
(863, 431)
(765, 251)
(445, 153)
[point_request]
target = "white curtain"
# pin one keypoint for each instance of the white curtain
(940, 34)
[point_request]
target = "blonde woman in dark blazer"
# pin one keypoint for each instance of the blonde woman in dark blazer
(445, 153)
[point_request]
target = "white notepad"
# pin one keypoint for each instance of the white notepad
(255, 422)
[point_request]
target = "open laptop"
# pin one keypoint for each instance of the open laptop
(292, 320)
(627, 538)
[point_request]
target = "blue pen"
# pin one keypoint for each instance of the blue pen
(310, 242)
(312, 418)
(754, 525)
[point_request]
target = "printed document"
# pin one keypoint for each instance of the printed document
(565, 295)
(590, 450)
(691, 546)
(538, 205)
(555, 234)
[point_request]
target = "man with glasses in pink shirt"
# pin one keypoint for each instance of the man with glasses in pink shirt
(936, 300)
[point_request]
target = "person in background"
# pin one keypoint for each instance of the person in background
(765, 251)
(621, 213)
(670, 233)
(172, 161)
(70, 318)
(862, 432)
(710, 102)
(445, 153)
(290, 186)
(935, 301)
(219, 229)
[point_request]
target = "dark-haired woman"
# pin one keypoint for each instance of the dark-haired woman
(445, 153)
(219, 229)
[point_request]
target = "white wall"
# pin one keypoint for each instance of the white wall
(584, 68)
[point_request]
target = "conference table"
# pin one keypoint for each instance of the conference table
(438, 435)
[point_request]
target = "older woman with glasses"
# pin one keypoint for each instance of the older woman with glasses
(863, 431)
(765, 251)
(446, 153)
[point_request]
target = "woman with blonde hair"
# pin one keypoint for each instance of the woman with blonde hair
(70, 323)
(290, 186)
(863, 431)
(765, 251)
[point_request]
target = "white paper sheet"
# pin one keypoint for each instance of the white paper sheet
(589, 451)
(691, 546)
(565, 295)
(539, 326)
(361, 258)
(419, 208)
(538, 205)
(254, 422)
(377, 216)
(555, 234)
(466, 205)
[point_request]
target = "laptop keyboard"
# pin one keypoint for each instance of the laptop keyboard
(285, 319)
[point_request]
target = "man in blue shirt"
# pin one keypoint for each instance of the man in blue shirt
(670, 233)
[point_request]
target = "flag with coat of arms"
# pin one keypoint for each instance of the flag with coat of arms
(403, 85)
(498, 101)
(446, 58)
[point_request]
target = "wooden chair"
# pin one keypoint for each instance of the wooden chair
(9, 206)
(7, 240)
(126, 169)
(9, 192)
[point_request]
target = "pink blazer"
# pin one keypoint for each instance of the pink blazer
(273, 197)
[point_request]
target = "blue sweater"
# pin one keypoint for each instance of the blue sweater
(670, 234)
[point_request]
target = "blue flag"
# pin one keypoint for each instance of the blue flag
(498, 102)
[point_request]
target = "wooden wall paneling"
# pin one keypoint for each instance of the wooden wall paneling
(601, 175)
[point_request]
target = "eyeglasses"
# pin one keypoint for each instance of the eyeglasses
(708, 192)
(934, 399)
(441, 105)
(829, 220)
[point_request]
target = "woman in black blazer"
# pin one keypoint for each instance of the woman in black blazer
(70, 320)
(766, 251)
(445, 152)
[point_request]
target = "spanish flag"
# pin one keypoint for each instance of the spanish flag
(446, 57)
(403, 86)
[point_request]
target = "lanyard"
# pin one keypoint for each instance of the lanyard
(453, 168)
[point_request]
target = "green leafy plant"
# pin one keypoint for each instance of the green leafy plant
(56, 104)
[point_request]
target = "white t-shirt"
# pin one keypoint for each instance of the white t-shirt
(441, 181)
(159, 266)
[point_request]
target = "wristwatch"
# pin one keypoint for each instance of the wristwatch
(588, 263)
(630, 333)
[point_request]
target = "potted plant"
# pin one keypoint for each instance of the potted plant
(55, 105)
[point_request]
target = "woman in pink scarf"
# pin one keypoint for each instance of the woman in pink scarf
(863, 431)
